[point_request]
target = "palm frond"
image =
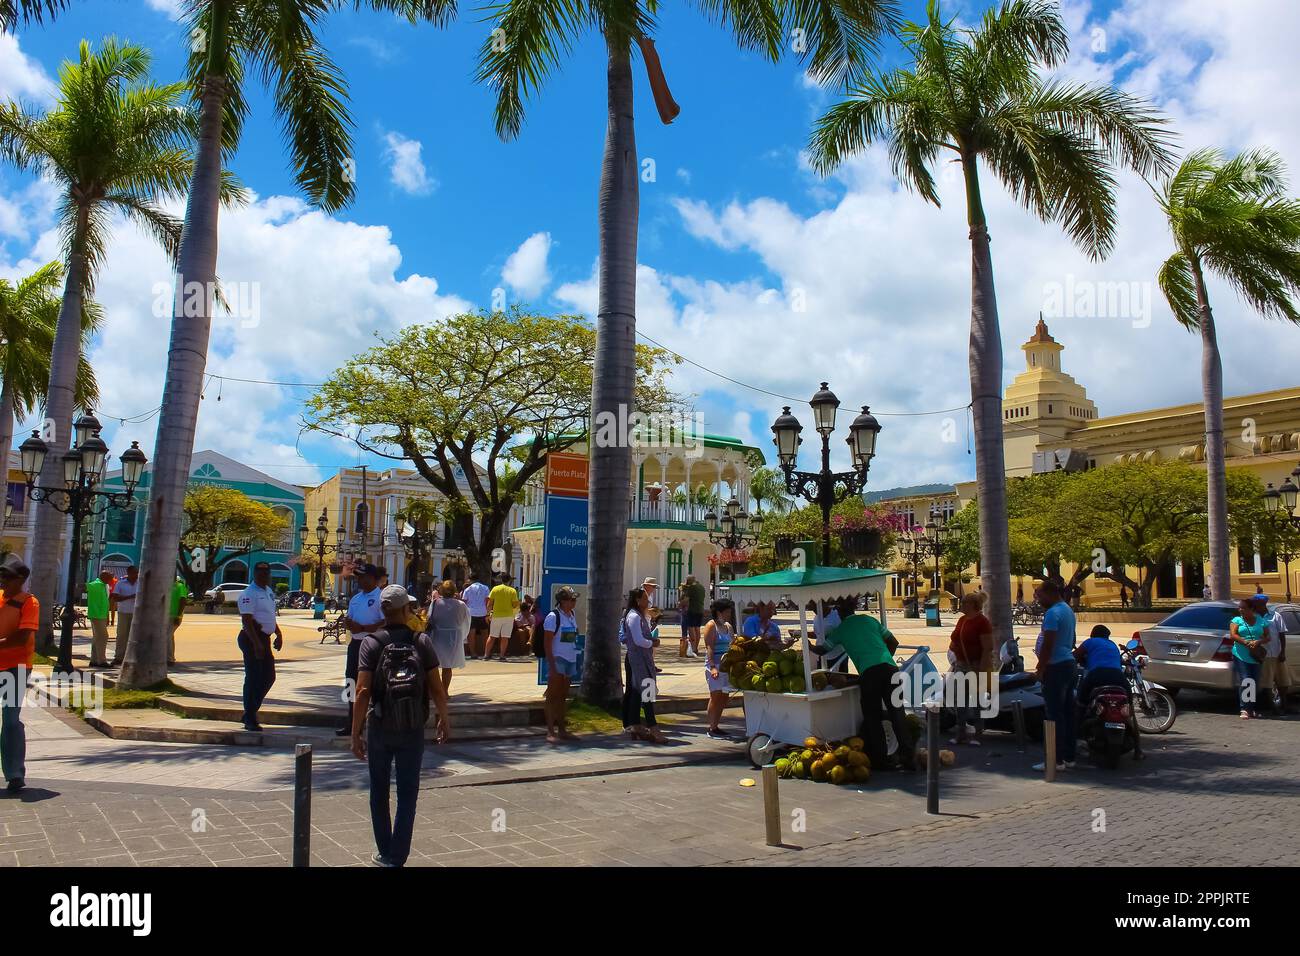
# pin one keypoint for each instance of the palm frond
(840, 38)
(1179, 287)
(13, 12)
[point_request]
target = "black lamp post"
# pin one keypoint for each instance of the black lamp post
(321, 548)
(1280, 506)
(83, 470)
(735, 529)
(825, 488)
(416, 542)
(928, 541)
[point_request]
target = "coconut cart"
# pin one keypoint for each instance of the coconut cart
(826, 708)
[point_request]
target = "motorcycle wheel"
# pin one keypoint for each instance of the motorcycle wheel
(1161, 715)
(1110, 756)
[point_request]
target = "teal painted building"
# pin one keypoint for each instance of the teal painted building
(120, 532)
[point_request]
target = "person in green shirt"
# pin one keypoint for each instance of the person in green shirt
(97, 612)
(180, 595)
(871, 648)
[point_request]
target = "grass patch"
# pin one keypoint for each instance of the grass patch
(117, 698)
(40, 660)
(585, 717)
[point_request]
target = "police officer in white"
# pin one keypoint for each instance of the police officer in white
(365, 616)
(257, 612)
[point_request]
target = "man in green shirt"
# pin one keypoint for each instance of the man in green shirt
(871, 648)
(695, 596)
(180, 595)
(97, 612)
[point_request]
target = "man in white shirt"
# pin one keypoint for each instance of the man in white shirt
(1274, 678)
(123, 600)
(475, 597)
(258, 615)
(365, 616)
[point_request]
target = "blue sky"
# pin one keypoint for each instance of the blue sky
(733, 228)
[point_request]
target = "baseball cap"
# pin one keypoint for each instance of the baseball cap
(394, 595)
(12, 564)
(373, 570)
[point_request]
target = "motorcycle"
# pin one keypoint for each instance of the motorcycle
(1154, 710)
(1015, 684)
(1107, 725)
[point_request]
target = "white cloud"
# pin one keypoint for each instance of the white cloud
(173, 8)
(21, 77)
(406, 168)
(323, 287)
(526, 270)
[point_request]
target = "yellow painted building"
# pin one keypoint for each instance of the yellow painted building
(1049, 423)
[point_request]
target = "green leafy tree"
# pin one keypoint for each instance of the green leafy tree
(223, 524)
(836, 37)
(976, 96)
(29, 313)
(767, 487)
(278, 42)
(1231, 218)
(515, 387)
(113, 143)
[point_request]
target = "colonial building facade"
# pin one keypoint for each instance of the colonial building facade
(674, 488)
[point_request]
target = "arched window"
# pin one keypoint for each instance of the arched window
(363, 513)
(234, 572)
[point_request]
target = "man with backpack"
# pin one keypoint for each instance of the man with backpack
(396, 679)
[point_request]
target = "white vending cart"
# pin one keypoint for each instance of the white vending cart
(833, 713)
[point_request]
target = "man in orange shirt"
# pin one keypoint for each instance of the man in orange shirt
(19, 614)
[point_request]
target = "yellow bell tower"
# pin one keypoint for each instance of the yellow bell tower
(1042, 404)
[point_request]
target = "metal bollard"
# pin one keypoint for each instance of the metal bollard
(1018, 720)
(932, 759)
(302, 805)
(1049, 750)
(772, 806)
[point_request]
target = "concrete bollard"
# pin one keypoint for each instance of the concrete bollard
(302, 805)
(1049, 750)
(1018, 721)
(932, 758)
(772, 806)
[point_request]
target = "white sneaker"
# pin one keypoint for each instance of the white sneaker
(690, 652)
(1042, 765)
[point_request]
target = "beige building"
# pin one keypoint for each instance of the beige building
(1049, 423)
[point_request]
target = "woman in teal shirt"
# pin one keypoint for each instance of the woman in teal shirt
(1247, 634)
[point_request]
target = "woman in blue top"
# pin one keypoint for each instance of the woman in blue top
(717, 635)
(1247, 634)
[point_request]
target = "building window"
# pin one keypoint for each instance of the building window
(17, 496)
(361, 515)
(120, 525)
(1246, 557)
(1268, 563)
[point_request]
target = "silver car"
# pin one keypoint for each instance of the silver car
(1191, 648)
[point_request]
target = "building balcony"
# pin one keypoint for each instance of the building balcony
(644, 510)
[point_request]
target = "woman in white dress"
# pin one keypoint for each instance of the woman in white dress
(449, 622)
(718, 633)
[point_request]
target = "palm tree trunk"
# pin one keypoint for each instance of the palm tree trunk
(1216, 474)
(613, 382)
(6, 418)
(985, 359)
(146, 659)
(46, 552)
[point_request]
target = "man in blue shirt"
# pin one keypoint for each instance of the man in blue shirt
(1103, 666)
(1057, 671)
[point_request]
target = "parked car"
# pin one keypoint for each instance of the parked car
(1190, 648)
(224, 593)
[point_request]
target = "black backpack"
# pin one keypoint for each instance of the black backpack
(400, 692)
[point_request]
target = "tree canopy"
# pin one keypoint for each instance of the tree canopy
(216, 518)
(475, 402)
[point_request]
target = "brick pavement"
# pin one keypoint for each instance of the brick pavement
(1215, 791)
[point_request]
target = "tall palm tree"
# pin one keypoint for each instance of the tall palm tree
(278, 40)
(1233, 218)
(115, 144)
(837, 39)
(767, 485)
(977, 95)
(29, 313)
(13, 12)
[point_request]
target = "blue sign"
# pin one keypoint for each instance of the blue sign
(564, 534)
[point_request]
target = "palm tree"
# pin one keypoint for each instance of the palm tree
(768, 485)
(977, 95)
(29, 312)
(1234, 219)
(837, 37)
(278, 40)
(114, 143)
(12, 12)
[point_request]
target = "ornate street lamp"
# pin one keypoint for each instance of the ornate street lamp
(321, 548)
(1280, 508)
(416, 543)
(735, 529)
(825, 488)
(83, 471)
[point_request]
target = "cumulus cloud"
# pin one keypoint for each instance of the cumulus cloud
(526, 269)
(406, 167)
(21, 77)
